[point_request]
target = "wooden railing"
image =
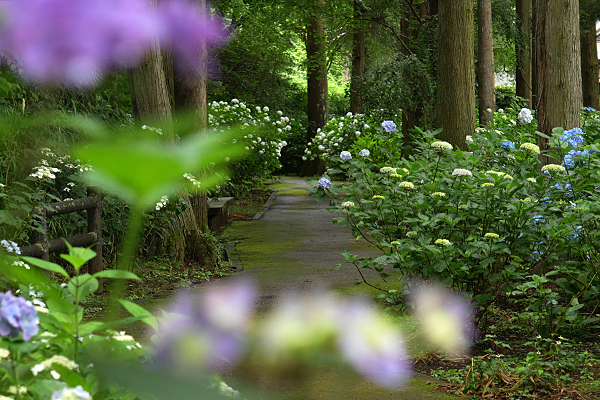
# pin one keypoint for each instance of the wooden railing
(42, 246)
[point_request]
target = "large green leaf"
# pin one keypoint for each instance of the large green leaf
(48, 266)
(139, 311)
(142, 170)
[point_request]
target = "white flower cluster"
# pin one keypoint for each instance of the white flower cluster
(153, 129)
(269, 131)
(56, 359)
(44, 171)
(163, 202)
(462, 172)
(10, 246)
(525, 116)
(338, 133)
(192, 179)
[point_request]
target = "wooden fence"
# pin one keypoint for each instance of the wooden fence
(42, 246)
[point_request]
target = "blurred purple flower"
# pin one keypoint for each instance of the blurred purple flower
(74, 42)
(373, 346)
(445, 317)
(17, 315)
(206, 332)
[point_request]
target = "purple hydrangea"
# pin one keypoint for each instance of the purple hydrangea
(508, 145)
(66, 393)
(73, 42)
(372, 345)
(324, 183)
(206, 332)
(17, 315)
(345, 155)
(364, 153)
(388, 126)
(573, 136)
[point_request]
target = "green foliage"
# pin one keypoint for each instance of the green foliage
(484, 222)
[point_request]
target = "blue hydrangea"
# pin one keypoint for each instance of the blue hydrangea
(17, 315)
(573, 136)
(324, 183)
(576, 158)
(536, 255)
(545, 201)
(345, 155)
(364, 153)
(508, 145)
(589, 109)
(576, 233)
(538, 219)
(388, 126)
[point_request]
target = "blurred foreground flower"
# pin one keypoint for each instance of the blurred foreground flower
(208, 331)
(71, 394)
(74, 42)
(445, 317)
(17, 315)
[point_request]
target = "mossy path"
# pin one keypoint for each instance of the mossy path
(293, 247)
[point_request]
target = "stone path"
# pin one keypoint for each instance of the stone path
(294, 246)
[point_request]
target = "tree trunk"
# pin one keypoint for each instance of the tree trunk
(189, 93)
(523, 50)
(456, 77)
(318, 102)
(358, 60)
(485, 63)
(589, 66)
(149, 93)
(558, 67)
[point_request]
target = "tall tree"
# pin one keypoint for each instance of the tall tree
(485, 62)
(456, 77)
(558, 66)
(589, 13)
(317, 91)
(523, 50)
(358, 59)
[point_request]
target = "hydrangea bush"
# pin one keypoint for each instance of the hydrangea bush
(488, 222)
(265, 135)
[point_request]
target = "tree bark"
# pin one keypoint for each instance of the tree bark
(523, 50)
(318, 101)
(149, 93)
(358, 60)
(485, 63)
(589, 65)
(190, 100)
(558, 67)
(456, 77)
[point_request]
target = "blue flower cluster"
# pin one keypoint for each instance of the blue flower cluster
(388, 126)
(589, 109)
(508, 145)
(17, 315)
(573, 136)
(574, 158)
(324, 183)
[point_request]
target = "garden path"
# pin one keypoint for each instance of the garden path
(293, 247)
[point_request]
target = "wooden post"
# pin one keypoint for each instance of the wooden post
(94, 218)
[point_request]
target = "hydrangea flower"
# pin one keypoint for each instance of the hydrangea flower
(406, 185)
(364, 153)
(530, 148)
(388, 170)
(574, 137)
(487, 184)
(553, 168)
(17, 315)
(378, 197)
(469, 139)
(76, 393)
(324, 183)
(373, 345)
(56, 359)
(588, 109)
(10, 246)
(206, 332)
(508, 145)
(532, 180)
(443, 242)
(347, 204)
(74, 42)
(439, 194)
(411, 234)
(445, 317)
(395, 243)
(525, 116)
(492, 235)
(462, 172)
(441, 145)
(388, 126)
(345, 155)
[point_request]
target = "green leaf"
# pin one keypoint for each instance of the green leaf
(82, 285)
(78, 256)
(116, 274)
(140, 311)
(48, 266)
(89, 327)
